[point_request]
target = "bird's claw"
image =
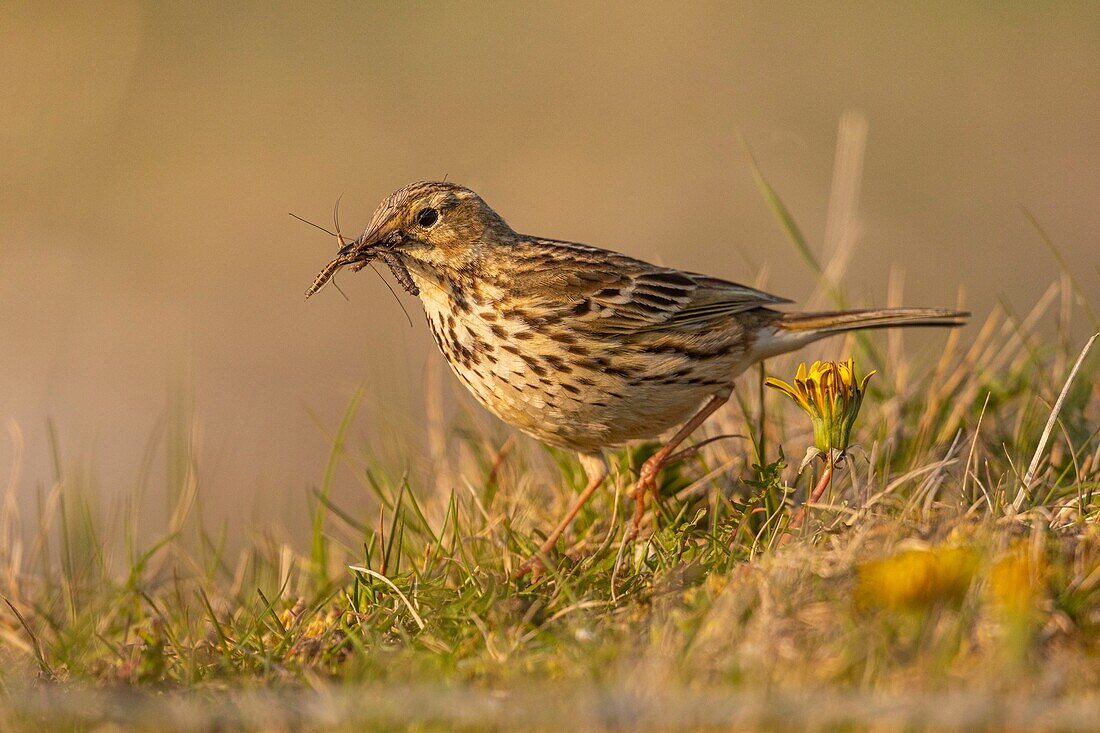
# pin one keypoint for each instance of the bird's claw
(533, 567)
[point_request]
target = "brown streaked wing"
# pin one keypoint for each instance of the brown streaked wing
(606, 292)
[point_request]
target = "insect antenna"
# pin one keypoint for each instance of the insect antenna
(318, 226)
(336, 219)
(394, 294)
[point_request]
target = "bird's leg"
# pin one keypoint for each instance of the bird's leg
(595, 468)
(647, 479)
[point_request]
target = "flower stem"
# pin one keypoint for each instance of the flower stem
(817, 493)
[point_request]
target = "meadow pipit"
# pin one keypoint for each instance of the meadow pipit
(579, 346)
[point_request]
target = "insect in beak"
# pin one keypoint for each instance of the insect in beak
(352, 253)
(358, 254)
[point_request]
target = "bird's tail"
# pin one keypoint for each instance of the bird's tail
(794, 330)
(837, 321)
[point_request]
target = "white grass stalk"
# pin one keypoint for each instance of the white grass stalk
(404, 599)
(842, 223)
(1029, 475)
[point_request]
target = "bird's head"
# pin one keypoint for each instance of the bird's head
(433, 228)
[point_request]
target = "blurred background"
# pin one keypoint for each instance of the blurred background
(150, 277)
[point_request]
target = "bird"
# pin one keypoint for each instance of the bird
(582, 347)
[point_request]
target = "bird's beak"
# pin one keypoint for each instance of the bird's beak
(380, 232)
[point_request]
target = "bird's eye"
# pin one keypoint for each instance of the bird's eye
(427, 217)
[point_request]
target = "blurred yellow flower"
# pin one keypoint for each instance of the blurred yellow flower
(1016, 583)
(831, 394)
(916, 579)
(316, 626)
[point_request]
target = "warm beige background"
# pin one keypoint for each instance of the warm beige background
(149, 154)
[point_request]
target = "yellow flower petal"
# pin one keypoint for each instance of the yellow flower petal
(831, 393)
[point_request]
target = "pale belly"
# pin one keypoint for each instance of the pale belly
(584, 394)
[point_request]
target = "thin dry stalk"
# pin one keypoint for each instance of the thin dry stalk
(842, 223)
(1029, 475)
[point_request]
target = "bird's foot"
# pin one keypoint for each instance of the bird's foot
(646, 486)
(533, 566)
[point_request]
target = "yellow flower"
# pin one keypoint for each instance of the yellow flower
(916, 579)
(1016, 583)
(1017, 589)
(831, 394)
